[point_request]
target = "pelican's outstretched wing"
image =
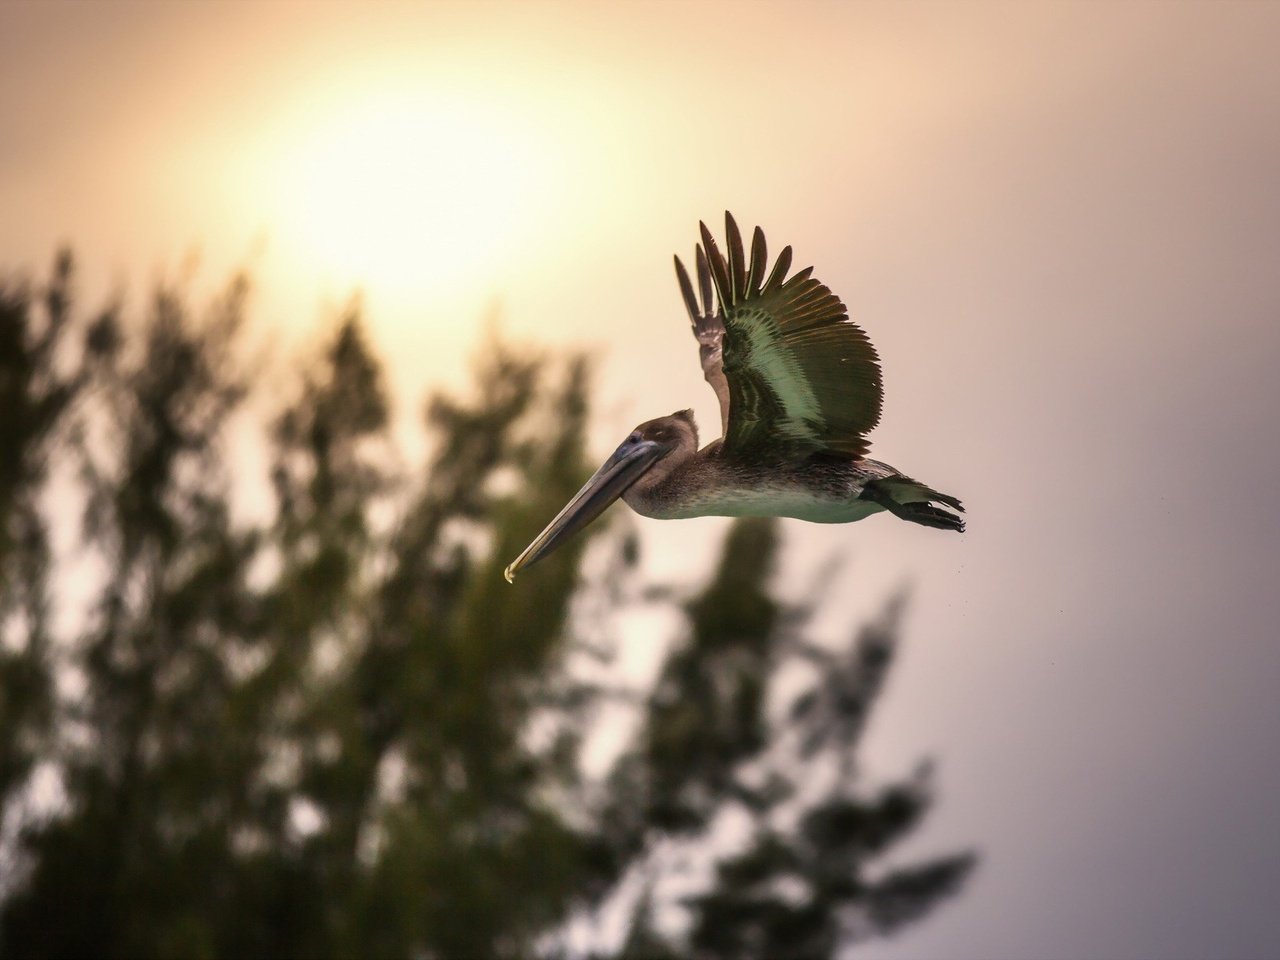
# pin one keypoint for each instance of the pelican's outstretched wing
(791, 369)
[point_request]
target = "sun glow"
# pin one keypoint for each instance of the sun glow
(415, 195)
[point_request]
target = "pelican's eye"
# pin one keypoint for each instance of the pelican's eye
(636, 437)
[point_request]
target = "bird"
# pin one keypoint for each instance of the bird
(799, 386)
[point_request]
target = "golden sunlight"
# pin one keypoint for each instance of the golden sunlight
(413, 194)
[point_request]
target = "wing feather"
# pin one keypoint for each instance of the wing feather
(686, 291)
(704, 281)
(719, 269)
(780, 269)
(737, 260)
(759, 262)
(800, 374)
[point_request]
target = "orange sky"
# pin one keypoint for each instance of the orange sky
(1060, 224)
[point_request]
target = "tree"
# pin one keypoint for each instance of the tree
(337, 731)
(36, 392)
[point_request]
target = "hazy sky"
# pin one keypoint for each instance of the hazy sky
(1060, 225)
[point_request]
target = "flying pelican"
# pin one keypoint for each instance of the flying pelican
(799, 389)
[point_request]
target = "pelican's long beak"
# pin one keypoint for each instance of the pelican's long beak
(620, 471)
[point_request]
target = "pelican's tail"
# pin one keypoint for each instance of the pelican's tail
(911, 500)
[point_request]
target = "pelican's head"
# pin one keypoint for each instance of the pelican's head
(650, 452)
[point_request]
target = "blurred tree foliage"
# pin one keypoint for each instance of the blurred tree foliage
(338, 731)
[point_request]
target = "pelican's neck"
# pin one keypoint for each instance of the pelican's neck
(673, 482)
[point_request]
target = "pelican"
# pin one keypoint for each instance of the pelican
(799, 388)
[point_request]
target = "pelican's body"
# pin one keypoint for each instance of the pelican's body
(710, 485)
(799, 389)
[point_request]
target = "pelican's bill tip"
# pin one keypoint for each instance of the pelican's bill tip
(509, 574)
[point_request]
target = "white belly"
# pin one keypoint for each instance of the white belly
(768, 502)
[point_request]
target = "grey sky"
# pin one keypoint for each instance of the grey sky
(1060, 225)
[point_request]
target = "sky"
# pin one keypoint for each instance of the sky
(1059, 224)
